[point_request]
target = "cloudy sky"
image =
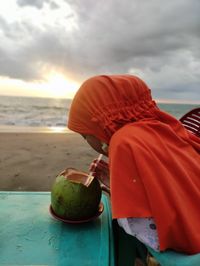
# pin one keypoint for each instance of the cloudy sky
(48, 47)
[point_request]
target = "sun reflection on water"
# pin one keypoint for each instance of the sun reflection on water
(58, 129)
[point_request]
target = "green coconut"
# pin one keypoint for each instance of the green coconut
(75, 195)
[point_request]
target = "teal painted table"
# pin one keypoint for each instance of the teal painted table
(171, 258)
(30, 236)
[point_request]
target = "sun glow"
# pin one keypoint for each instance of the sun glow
(55, 85)
(59, 87)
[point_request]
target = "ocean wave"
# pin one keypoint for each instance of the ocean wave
(39, 112)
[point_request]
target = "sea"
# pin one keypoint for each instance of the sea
(35, 113)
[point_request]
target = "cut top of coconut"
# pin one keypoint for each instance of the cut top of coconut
(79, 177)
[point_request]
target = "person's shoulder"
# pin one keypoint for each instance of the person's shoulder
(122, 135)
(131, 132)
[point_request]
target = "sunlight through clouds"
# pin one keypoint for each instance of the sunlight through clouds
(58, 86)
(77, 39)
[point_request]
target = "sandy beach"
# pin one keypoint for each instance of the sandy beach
(31, 161)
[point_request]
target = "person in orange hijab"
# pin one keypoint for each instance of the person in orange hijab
(154, 162)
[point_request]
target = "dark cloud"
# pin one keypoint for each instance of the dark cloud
(157, 40)
(53, 5)
(189, 92)
(34, 3)
(37, 3)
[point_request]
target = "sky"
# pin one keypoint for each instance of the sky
(49, 47)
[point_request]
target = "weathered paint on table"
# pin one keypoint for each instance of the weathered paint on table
(30, 236)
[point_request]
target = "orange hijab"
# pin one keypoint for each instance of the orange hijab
(154, 161)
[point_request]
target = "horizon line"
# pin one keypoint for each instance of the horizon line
(157, 100)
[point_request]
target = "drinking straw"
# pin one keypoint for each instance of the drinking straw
(96, 164)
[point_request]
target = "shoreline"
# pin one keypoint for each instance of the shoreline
(32, 129)
(31, 161)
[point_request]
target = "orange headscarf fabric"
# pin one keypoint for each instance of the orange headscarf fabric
(154, 161)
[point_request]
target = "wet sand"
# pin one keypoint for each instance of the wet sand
(31, 161)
